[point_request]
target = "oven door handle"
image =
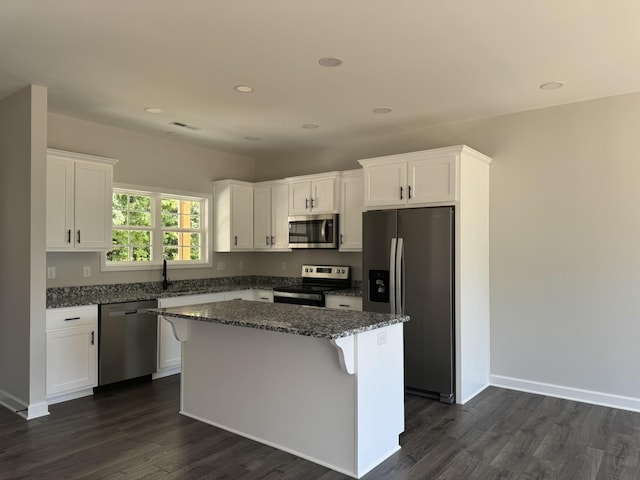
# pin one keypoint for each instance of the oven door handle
(324, 230)
(303, 296)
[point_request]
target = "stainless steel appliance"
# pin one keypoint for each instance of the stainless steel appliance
(316, 281)
(313, 231)
(408, 260)
(127, 341)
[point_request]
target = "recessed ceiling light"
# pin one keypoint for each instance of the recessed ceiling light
(382, 110)
(330, 61)
(153, 110)
(243, 88)
(552, 85)
(251, 139)
(310, 126)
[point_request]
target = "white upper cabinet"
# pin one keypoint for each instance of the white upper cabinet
(351, 206)
(413, 179)
(79, 192)
(233, 216)
(314, 194)
(270, 216)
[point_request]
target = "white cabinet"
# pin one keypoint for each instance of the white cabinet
(270, 216)
(351, 206)
(263, 296)
(412, 179)
(71, 352)
(79, 192)
(239, 295)
(343, 302)
(169, 348)
(314, 194)
(233, 216)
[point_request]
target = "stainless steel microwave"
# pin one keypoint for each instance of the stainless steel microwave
(313, 231)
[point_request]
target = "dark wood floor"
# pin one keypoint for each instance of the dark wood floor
(136, 433)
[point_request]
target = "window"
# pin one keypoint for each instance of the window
(149, 227)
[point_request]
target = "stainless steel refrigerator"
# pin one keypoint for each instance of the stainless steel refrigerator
(408, 267)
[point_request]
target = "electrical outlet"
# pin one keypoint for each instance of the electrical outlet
(283, 266)
(86, 271)
(221, 265)
(382, 338)
(51, 272)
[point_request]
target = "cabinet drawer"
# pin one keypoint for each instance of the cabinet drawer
(71, 317)
(344, 303)
(264, 296)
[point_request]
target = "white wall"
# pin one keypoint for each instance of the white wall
(23, 124)
(145, 160)
(565, 240)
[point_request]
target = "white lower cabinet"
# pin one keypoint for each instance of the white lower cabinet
(343, 302)
(71, 352)
(169, 348)
(263, 296)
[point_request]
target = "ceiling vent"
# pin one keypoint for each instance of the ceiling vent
(184, 125)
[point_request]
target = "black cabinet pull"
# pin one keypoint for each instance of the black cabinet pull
(273, 239)
(409, 192)
(306, 203)
(78, 236)
(267, 240)
(235, 240)
(341, 239)
(401, 190)
(93, 338)
(72, 318)
(69, 236)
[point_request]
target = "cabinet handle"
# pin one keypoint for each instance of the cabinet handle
(312, 203)
(341, 239)
(409, 192)
(306, 203)
(273, 240)
(72, 318)
(93, 338)
(401, 190)
(267, 239)
(343, 305)
(264, 298)
(235, 240)
(69, 236)
(78, 236)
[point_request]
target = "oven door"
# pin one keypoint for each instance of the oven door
(311, 299)
(313, 231)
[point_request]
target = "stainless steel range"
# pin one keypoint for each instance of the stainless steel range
(316, 281)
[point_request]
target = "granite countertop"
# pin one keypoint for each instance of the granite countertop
(349, 292)
(282, 317)
(59, 297)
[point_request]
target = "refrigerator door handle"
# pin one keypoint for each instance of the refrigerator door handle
(392, 275)
(400, 277)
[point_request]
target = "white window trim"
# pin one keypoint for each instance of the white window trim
(206, 217)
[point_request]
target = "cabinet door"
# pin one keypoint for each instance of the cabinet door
(299, 198)
(262, 218)
(241, 217)
(432, 180)
(59, 203)
(385, 185)
(169, 347)
(72, 357)
(265, 296)
(323, 196)
(92, 206)
(280, 217)
(344, 303)
(351, 205)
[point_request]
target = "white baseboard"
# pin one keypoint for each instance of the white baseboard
(19, 407)
(165, 372)
(63, 397)
(568, 393)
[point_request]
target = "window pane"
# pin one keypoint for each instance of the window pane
(170, 238)
(120, 201)
(119, 218)
(169, 220)
(118, 254)
(169, 205)
(139, 219)
(170, 253)
(140, 237)
(195, 221)
(141, 253)
(195, 208)
(140, 203)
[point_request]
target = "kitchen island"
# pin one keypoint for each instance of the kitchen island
(323, 384)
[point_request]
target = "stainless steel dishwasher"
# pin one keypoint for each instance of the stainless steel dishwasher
(127, 341)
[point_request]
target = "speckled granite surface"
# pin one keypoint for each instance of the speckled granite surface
(59, 297)
(355, 291)
(281, 317)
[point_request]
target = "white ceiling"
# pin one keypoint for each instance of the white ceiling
(432, 61)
